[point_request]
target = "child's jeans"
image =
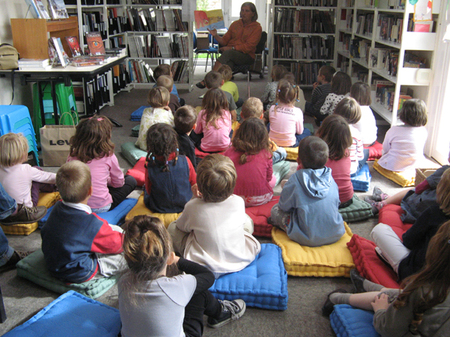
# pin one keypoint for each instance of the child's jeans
(280, 218)
(110, 264)
(278, 155)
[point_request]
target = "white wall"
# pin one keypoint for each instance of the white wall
(12, 9)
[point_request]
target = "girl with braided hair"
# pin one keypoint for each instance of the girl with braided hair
(151, 302)
(169, 176)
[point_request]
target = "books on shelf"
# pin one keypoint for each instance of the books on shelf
(57, 53)
(158, 46)
(310, 3)
(57, 9)
(303, 21)
(94, 22)
(413, 61)
(95, 44)
(37, 9)
(390, 27)
(308, 47)
(378, 58)
(26, 64)
(151, 19)
(384, 93)
(86, 61)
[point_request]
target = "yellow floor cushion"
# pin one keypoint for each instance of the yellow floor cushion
(45, 199)
(331, 260)
(404, 179)
(141, 209)
(292, 153)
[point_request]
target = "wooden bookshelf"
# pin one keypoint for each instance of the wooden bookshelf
(30, 36)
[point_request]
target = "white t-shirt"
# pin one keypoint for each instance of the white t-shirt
(367, 125)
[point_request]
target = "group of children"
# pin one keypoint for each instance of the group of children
(213, 235)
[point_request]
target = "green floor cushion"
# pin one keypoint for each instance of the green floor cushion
(358, 210)
(132, 153)
(33, 268)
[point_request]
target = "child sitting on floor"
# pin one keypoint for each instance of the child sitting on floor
(147, 294)
(214, 80)
(270, 91)
(167, 82)
(168, 175)
(299, 95)
(159, 112)
(252, 158)
(212, 132)
(336, 133)
(367, 125)
(420, 308)
(92, 145)
(184, 120)
(21, 181)
(340, 88)
(77, 244)
(321, 89)
(308, 207)
(229, 86)
(164, 69)
(214, 230)
(403, 144)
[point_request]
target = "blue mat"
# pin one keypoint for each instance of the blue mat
(71, 315)
(262, 284)
(361, 180)
(137, 115)
(348, 321)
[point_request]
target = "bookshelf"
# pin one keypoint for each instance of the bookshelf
(303, 36)
(377, 44)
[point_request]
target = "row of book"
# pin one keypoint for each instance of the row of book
(154, 19)
(384, 93)
(347, 16)
(158, 46)
(364, 24)
(305, 73)
(56, 8)
(303, 21)
(318, 3)
(158, 2)
(117, 24)
(94, 22)
(310, 47)
(390, 27)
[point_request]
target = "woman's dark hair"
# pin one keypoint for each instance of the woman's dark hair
(252, 8)
(414, 112)
(162, 141)
(251, 138)
(92, 139)
(341, 83)
(335, 132)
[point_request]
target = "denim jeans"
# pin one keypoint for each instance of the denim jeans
(7, 207)
(278, 155)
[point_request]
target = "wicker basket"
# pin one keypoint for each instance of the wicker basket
(423, 173)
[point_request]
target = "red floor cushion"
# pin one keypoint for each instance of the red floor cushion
(375, 151)
(201, 154)
(259, 215)
(390, 215)
(138, 172)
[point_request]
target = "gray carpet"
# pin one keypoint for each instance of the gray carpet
(303, 317)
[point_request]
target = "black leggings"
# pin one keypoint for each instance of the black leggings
(202, 304)
(120, 193)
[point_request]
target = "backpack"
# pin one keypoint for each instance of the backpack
(9, 57)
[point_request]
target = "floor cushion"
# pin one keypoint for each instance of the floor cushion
(404, 179)
(71, 315)
(117, 215)
(375, 151)
(259, 215)
(138, 172)
(33, 268)
(132, 153)
(137, 114)
(45, 199)
(292, 153)
(369, 265)
(280, 170)
(390, 215)
(361, 180)
(201, 154)
(262, 284)
(348, 321)
(358, 210)
(331, 260)
(141, 209)
(135, 131)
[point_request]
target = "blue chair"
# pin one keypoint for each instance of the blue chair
(212, 51)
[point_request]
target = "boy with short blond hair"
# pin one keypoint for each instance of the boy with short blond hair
(77, 244)
(164, 69)
(167, 82)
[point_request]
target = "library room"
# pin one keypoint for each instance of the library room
(349, 234)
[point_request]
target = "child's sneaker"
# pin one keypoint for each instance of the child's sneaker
(231, 310)
(378, 194)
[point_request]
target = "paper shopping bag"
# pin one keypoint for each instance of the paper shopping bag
(55, 143)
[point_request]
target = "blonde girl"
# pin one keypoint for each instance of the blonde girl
(147, 294)
(300, 101)
(252, 157)
(270, 91)
(214, 122)
(158, 112)
(21, 181)
(92, 145)
(286, 121)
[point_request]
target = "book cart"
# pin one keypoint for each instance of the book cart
(377, 44)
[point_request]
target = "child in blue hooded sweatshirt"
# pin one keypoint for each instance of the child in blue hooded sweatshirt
(309, 202)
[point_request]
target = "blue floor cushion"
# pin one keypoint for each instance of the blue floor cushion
(348, 321)
(33, 268)
(262, 284)
(132, 153)
(114, 217)
(137, 114)
(71, 315)
(280, 170)
(361, 180)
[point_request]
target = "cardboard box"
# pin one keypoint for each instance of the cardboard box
(202, 41)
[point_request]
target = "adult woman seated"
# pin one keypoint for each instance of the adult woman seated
(238, 45)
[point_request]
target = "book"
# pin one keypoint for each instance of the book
(85, 61)
(37, 9)
(72, 42)
(57, 9)
(95, 44)
(61, 55)
(205, 20)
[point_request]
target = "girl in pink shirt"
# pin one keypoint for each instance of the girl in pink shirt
(335, 132)
(92, 145)
(21, 181)
(252, 158)
(214, 122)
(286, 121)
